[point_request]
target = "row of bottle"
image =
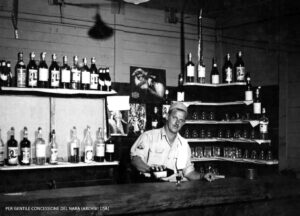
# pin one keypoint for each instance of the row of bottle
(37, 153)
(230, 73)
(79, 76)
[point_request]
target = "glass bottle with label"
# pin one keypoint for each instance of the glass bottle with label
(155, 118)
(190, 69)
(85, 76)
(100, 146)
(201, 71)
(12, 149)
(88, 146)
(109, 150)
(32, 72)
(43, 72)
(94, 75)
(215, 77)
(180, 90)
(166, 105)
(228, 70)
(53, 149)
(74, 147)
(20, 72)
(257, 104)
(40, 147)
(107, 80)
(75, 74)
(2, 151)
(25, 148)
(54, 74)
(239, 67)
(65, 74)
(249, 91)
(3, 74)
(9, 74)
(263, 125)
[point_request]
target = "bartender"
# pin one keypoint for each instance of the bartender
(164, 148)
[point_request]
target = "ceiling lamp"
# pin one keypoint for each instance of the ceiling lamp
(100, 30)
(136, 1)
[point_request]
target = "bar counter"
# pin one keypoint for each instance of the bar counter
(270, 195)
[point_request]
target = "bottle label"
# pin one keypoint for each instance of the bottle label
(215, 79)
(40, 150)
(74, 150)
(100, 150)
(65, 76)
(94, 81)
(110, 148)
(32, 77)
(85, 77)
(75, 75)
(3, 77)
(165, 110)
(263, 127)
(1, 153)
(54, 78)
(248, 95)
(88, 154)
(53, 156)
(43, 74)
(25, 155)
(21, 80)
(240, 74)
(190, 71)
(12, 156)
(180, 96)
(201, 71)
(228, 72)
(257, 108)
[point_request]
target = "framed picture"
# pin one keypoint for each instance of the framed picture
(136, 119)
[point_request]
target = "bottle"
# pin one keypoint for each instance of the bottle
(3, 73)
(201, 71)
(53, 149)
(74, 147)
(54, 75)
(155, 118)
(239, 67)
(166, 105)
(215, 77)
(20, 72)
(180, 90)
(248, 92)
(190, 69)
(12, 149)
(263, 125)
(85, 76)
(88, 146)
(200, 66)
(94, 75)
(101, 80)
(9, 74)
(257, 104)
(109, 150)
(2, 150)
(40, 147)
(25, 148)
(43, 72)
(227, 70)
(100, 146)
(75, 74)
(107, 80)
(65, 74)
(32, 72)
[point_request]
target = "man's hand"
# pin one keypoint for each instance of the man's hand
(210, 177)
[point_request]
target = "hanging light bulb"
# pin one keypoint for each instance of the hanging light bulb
(100, 30)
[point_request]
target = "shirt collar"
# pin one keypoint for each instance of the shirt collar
(164, 134)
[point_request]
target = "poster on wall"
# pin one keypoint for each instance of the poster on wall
(136, 119)
(147, 85)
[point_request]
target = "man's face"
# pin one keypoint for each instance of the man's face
(176, 120)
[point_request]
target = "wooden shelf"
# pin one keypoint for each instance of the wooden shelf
(256, 122)
(199, 103)
(59, 165)
(239, 160)
(233, 140)
(215, 85)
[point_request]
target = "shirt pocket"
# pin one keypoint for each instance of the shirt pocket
(156, 156)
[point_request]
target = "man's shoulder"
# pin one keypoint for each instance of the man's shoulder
(183, 140)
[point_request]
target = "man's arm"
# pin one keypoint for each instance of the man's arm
(194, 175)
(139, 164)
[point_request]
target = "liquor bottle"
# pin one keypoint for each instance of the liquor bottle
(65, 74)
(239, 67)
(200, 66)
(190, 69)
(94, 75)
(54, 75)
(32, 72)
(53, 149)
(227, 70)
(155, 118)
(9, 74)
(43, 72)
(166, 105)
(109, 150)
(85, 76)
(75, 74)
(2, 150)
(201, 71)
(257, 104)
(100, 146)
(107, 80)
(101, 79)
(25, 149)
(20, 72)
(40, 147)
(12, 149)
(3, 73)
(180, 90)
(88, 146)
(74, 147)
(263, 125)
(215, 77)
(248, 92)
